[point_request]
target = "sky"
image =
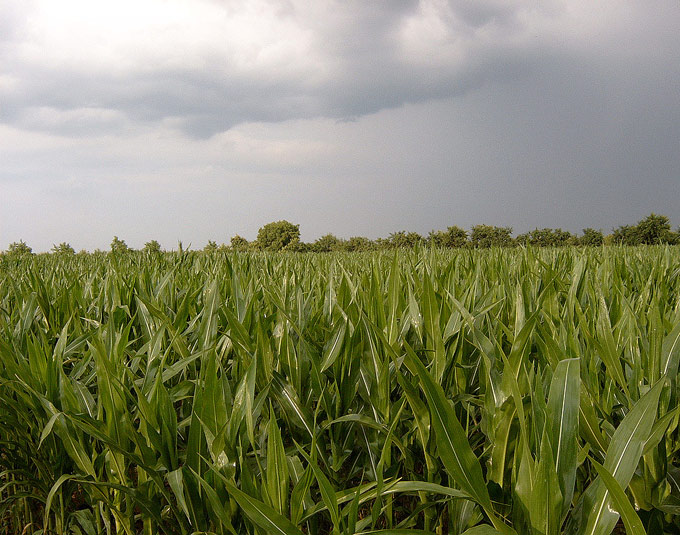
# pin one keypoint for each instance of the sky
(196, 120)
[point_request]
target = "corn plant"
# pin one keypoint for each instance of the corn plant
(466, 392)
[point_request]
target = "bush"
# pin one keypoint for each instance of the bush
(278, 235)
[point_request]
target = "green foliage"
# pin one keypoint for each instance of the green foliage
(547, 237)
(591, 237)
(19, 249)
(238, 243)
(119, 246)
(359, 243)
(403, 239)
(152, 247)
(327, 243)
(485, 236)
(516, 391)
(454, 237)
(278, 235)
(653, 230)
(210, 247)
(63, 249)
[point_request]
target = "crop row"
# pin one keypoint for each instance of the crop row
(481, 392)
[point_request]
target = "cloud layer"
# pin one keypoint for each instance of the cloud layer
(347, 116)
(75, 67)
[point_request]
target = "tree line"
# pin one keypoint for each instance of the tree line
(285, 236)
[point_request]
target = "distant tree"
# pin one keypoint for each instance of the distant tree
(625, 235)
(118, 246)
(654, 229)
(455, 237)
(546, 237)
(210, 247)
(403, 239)
(278, 235)
(63, 249)
(327, 243)
(19, 248)
(483, 236)
(591, 237)
(152, 247)
(239, 243)
(358, 243)
(435, 238)
(298, 247)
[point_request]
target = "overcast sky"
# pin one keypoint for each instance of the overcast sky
(196, 120)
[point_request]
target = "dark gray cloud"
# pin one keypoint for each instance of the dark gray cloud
(200, 120)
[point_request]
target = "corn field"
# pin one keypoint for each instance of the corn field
(467, 392)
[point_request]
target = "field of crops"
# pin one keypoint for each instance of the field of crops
(479, 392)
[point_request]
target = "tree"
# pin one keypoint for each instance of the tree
(278, 235)
(19, 248)
(625, 235)
(454, 237)
(591, 237)
(654, 229)
(239, 243)
(327, 243)
(63, 249)
(152, 247)
(358, 243)
(403, 239)
(483, 236)
(118, 245)
(546, 237)
(210, 247)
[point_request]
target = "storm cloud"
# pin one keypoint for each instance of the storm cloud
(350, 117)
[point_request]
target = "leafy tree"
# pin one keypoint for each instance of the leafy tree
(403, 239)
(19, 248)
(152, 247)
(63, 249)
(278, 235)
(546, 237)
(591, 237)
(239, 243)
(118, 246)
(451, 237)
(654, 229)
(210, 247)
(489, 236)
(358, 243)
(327, 243)
(625, 235)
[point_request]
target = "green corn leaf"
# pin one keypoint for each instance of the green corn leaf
(622, 458)
(261, 514)
(620, 502)
(562, 414)
(457, 456)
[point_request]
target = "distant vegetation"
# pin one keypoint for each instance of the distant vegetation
(285, 236)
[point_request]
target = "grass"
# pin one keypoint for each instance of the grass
(428, 391)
